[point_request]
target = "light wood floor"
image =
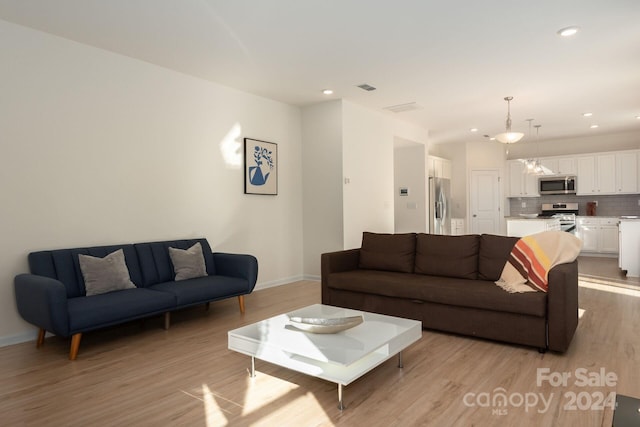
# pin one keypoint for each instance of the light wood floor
(141, 375)
(605, 268)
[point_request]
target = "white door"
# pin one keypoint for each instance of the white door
(484, 201)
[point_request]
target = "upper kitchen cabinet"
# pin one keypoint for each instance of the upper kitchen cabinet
(559, 165)
(439, 167)
(521, 184)
(596, 174)
(627, 172)
(608, 173)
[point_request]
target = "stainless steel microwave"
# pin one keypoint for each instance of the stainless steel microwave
(557, 185)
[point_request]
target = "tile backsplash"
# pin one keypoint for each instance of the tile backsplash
(617, 205)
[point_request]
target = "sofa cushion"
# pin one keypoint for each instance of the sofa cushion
(188, 263)
(116, 307)
(64, 265)
(493, 255)
(155, 263)
(107, 274)
(390, 252)
(203, 289)
(448, 256)
(480, 294)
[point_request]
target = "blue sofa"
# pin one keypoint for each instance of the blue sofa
(53, 297)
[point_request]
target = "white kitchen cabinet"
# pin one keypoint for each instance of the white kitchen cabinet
(520, 227)
(596, 175)
(439, 167)
(608, 173)
(586, 176)
(521, 184)
(598, 234)
(457, 226)
(559, 165)
(629, 258)
(566, 166)
(609, 236)
(588, 231)
(627, 172)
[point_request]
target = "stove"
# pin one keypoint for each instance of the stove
(564, 212)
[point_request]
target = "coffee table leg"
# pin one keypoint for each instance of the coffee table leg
(400, 365)
(253, 367)
(340, 404)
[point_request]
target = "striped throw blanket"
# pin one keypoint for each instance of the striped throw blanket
(532, 257)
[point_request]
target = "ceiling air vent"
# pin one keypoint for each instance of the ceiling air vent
(403, 107)
(366, 87)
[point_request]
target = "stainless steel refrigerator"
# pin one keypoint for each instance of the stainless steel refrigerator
(439, 211)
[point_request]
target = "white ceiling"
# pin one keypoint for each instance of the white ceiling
(457, 59)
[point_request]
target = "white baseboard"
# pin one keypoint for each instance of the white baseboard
(285, 281)
(277, 282)
(20, 338)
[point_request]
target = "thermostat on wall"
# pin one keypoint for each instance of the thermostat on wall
(404, 191)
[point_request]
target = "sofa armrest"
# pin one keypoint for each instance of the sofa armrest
(562, 305)
(42, 301)
(237, 265)
(335, 262)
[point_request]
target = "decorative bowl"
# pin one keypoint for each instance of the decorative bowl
(318, 325)
(530, 216)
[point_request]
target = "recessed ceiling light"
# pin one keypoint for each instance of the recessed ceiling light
(492, 139)
(568, 31)
(587, 114)
(327, 91)
(473, 129)
(638, 117)
(594, 126)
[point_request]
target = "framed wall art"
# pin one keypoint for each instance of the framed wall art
(260, 167)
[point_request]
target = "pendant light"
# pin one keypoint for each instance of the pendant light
(538, 169)
(530, 164)
(509, 137)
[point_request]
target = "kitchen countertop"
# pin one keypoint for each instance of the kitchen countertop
(511, 218)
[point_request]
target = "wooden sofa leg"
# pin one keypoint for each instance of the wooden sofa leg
(206, 306)
(40, 341)
(75, 346)
(167, 320)
(241, 302)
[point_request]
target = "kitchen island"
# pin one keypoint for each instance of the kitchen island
(519, 226)
(629, 258)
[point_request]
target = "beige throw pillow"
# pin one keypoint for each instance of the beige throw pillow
(188, 264)
(102, 275)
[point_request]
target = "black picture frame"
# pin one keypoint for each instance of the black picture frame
(260, 167)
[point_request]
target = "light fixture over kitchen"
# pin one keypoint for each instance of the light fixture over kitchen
(538, 168)
(509, 137)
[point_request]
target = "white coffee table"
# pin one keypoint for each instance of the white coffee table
(341, 358)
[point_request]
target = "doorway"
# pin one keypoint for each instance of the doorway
(484, 201)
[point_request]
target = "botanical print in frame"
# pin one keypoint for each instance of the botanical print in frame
(260, 167)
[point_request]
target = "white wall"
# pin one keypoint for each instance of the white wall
(368, 138)
(99, 148)
(410, 172)
(322, 182)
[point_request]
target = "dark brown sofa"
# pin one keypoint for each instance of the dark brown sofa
(447, 282)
